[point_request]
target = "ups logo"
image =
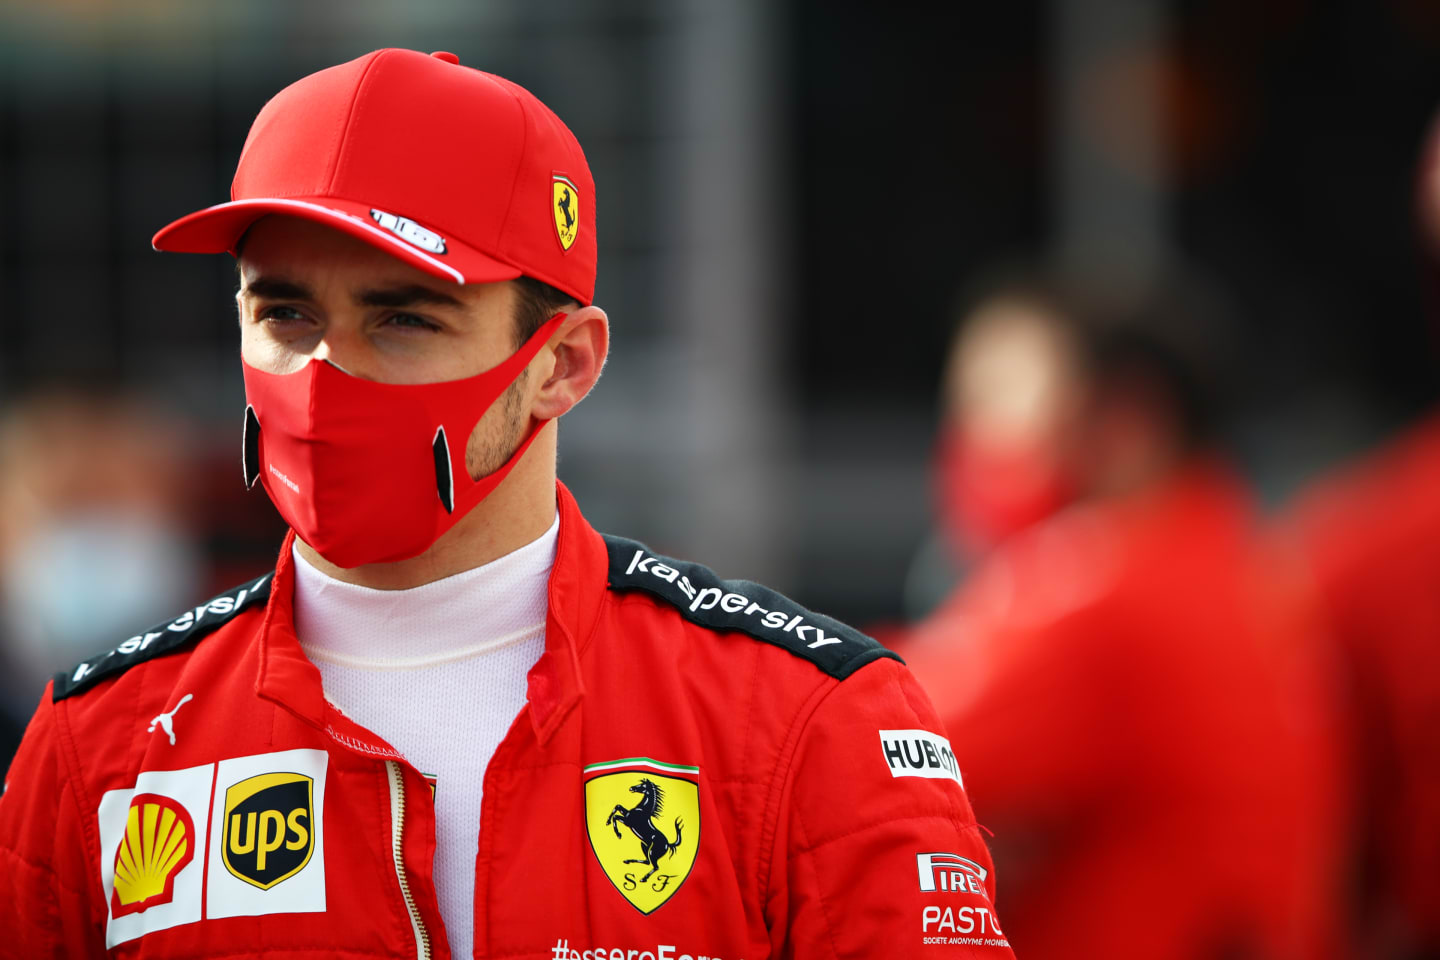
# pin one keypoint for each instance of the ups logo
(269, 834)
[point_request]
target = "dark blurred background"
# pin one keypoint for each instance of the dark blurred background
(791, 196)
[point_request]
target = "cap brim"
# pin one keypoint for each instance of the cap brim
(218, 229)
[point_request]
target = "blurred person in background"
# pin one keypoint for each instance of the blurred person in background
(1131, 677)
(96, 531)
(1371, 534)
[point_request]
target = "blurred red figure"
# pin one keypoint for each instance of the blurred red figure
(1372, 536)
(1148, 729)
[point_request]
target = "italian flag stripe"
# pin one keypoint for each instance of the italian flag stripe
(640, 762)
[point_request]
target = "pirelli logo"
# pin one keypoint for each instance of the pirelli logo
(950, 872)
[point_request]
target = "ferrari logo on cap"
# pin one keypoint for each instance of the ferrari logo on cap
(565, 204)
(643, 818)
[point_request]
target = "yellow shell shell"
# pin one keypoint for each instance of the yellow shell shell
(158, 843)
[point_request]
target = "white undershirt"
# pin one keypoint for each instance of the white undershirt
(439, 671)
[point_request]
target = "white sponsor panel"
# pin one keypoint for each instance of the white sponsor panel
(951, 873)
(179, 903)
(919, 753)
(276, 833)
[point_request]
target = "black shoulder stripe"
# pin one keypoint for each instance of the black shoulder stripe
(162, 638)
(704, 598)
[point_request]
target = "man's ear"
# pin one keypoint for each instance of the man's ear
(579, 349)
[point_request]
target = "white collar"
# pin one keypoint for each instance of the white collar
(470, 613)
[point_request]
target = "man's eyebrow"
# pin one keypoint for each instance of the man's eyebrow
(412, 295)
(277, 288)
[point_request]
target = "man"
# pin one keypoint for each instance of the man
(1371, 534)
(90, 541)
(455, 720)
(1157, 757)
(1372, 537)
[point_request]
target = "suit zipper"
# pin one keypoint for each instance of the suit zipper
(397, 828)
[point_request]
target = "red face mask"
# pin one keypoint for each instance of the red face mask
(986, 495)
(369, 472)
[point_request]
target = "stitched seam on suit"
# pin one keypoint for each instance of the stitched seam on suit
(50, 918)
(809, 859)
(919, 721)
(70, 761)
(810, 848)
(790, 746)
(43, 868)
(745, 743)
(360, 746)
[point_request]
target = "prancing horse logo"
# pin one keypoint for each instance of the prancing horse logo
(565, 205)
(641, 821)
(642, 816)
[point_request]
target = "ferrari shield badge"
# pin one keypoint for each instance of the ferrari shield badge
(565, 205)
(643, 818)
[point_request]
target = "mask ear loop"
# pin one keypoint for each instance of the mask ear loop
(444, 472)
(250, 454)
(510, 368)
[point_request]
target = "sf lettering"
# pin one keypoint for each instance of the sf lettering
(658, 883)
(959, 920)
(268, 829)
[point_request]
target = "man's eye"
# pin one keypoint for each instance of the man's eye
(281, 314)
(410, 320)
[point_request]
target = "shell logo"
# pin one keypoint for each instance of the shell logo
(158, 844)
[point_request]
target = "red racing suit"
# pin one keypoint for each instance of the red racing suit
(1372, 536)
(703, 769)
(1160, 758)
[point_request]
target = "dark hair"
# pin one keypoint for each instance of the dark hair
(1139, 356)
(1168, 340)
(535, 303)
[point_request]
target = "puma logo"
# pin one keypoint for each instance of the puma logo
(166, 721)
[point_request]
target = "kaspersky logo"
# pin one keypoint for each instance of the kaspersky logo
(268, 837)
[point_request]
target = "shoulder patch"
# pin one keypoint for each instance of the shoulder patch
(162, 638)
(703, 598)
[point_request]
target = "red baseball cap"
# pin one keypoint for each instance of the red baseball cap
(458, 172)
